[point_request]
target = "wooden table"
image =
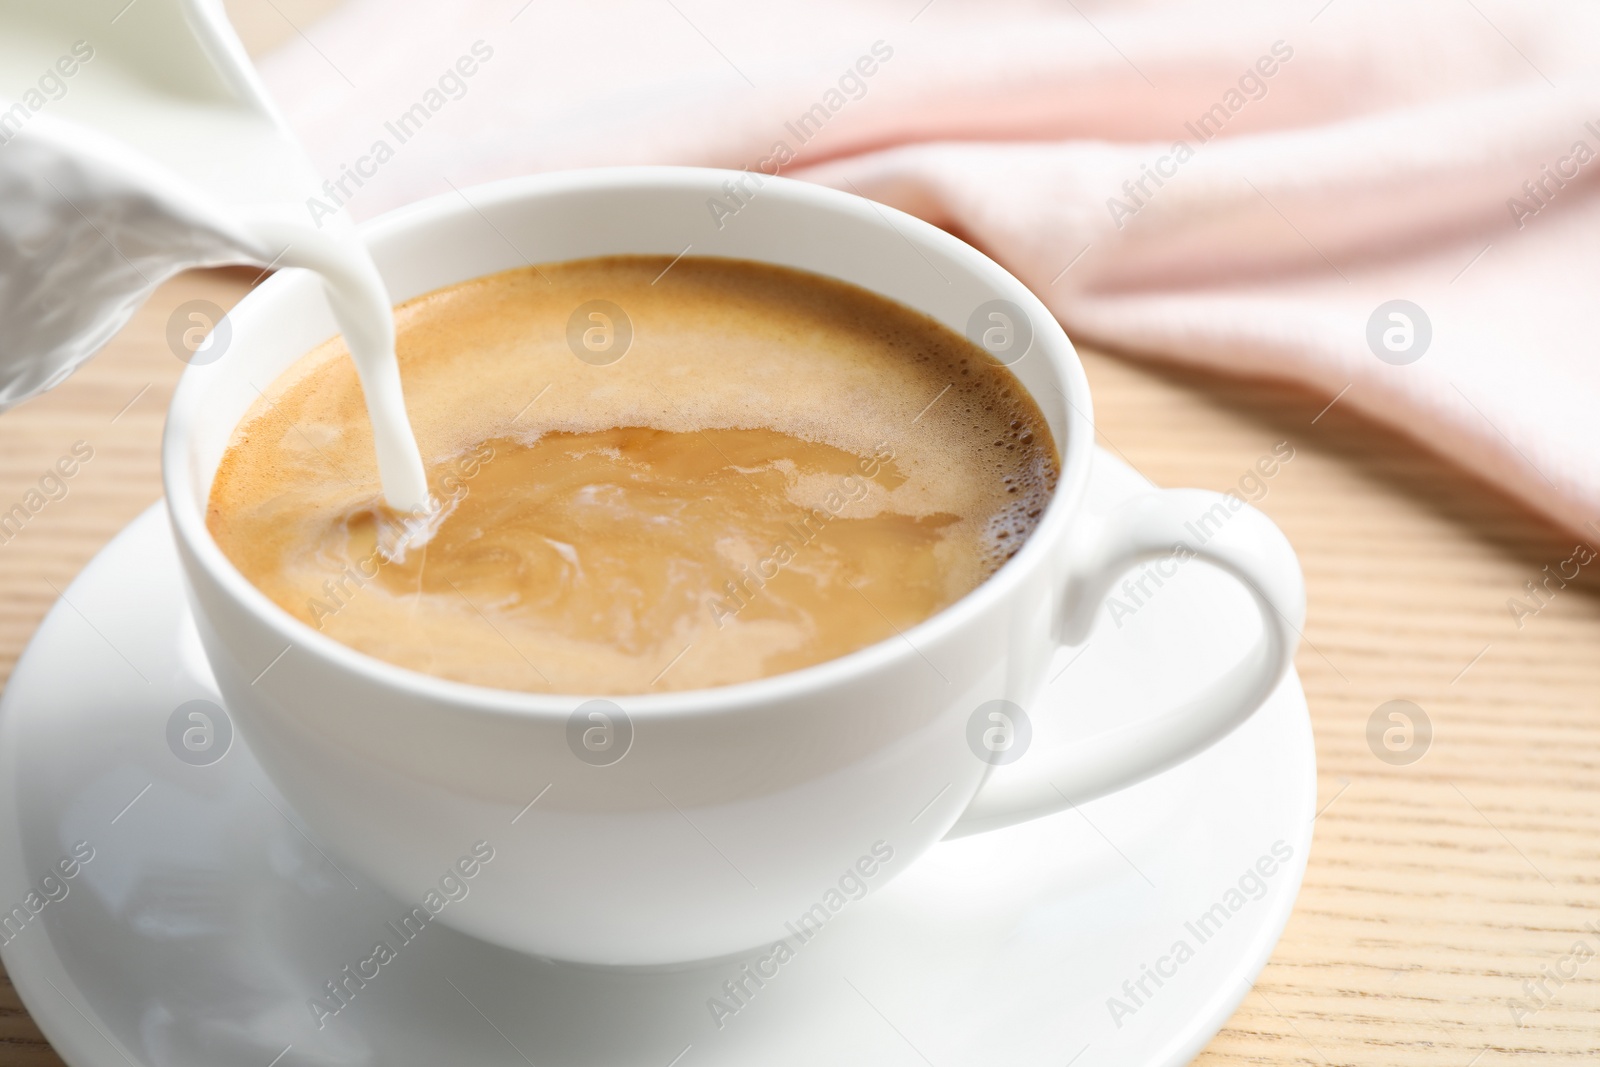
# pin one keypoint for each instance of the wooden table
(1435, 890)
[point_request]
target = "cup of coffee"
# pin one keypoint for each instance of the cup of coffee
(759, 514)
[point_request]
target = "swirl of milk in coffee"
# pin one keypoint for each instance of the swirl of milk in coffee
(780, 469)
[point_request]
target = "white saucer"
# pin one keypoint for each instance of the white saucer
(206, 919)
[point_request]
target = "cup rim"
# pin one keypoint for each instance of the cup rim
(1050, 340)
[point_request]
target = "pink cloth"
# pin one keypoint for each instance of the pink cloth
(1356, 152)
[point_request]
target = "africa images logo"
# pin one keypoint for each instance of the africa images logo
(452, 887)
(1249, 887)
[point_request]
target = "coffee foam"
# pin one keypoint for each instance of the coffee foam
(774, 388)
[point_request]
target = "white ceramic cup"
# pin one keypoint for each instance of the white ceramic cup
(736, 812)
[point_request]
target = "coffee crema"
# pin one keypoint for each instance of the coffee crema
(651, 475)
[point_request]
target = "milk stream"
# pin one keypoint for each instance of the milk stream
(135, 143)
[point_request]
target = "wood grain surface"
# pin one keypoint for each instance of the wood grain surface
(1435, 891)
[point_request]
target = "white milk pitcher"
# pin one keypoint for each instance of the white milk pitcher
(136, 142)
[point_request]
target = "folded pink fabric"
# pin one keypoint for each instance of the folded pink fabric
(1244, 186)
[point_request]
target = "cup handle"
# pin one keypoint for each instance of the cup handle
(1196, 523)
